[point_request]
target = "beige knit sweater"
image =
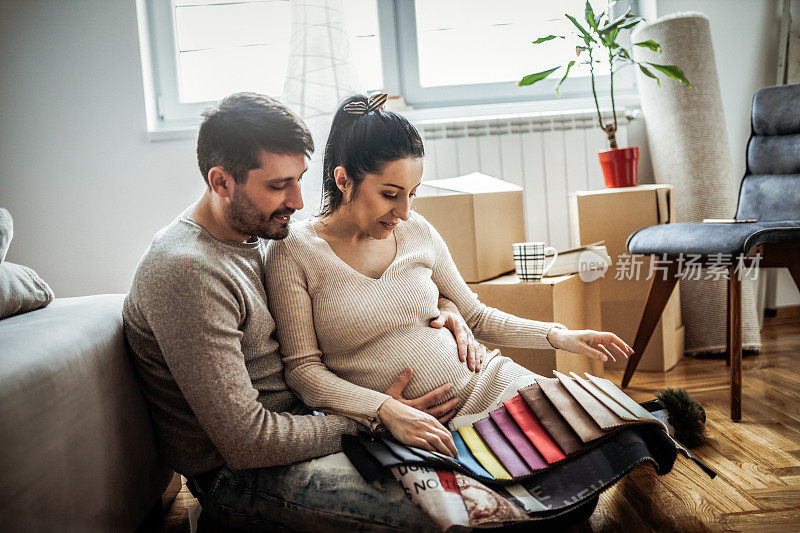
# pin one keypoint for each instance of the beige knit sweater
(344, 336)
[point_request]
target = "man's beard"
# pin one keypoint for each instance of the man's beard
(245, 217)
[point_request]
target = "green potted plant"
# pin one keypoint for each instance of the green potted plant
(596, 42)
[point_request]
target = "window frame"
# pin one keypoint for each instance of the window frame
(164, 50)
(399, 61)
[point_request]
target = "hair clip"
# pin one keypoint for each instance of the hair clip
(374, 103)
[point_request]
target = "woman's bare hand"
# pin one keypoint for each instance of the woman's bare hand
(415, 428)
(430, 403)
(600, 345)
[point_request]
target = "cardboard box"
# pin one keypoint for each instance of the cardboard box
(564, 299)
(479, 217)
(612, 215)
(666, 345)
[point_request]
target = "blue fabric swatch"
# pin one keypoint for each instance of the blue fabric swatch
(466, 458)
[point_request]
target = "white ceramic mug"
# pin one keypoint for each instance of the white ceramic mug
(529, 260)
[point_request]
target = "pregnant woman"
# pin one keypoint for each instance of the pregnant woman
(369, 273)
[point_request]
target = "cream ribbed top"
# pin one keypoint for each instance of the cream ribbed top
(345, 336)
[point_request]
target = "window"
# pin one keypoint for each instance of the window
(474, 51)
(225, 46)
(203, 50)
(432, 52)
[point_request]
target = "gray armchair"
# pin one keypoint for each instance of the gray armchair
(770, 194)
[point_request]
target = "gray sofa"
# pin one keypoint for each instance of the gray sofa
(77, 449)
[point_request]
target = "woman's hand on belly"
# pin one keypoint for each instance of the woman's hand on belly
(415, 428)
(430, 402)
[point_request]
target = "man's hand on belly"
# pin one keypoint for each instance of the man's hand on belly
(469, 349)
(428, 403)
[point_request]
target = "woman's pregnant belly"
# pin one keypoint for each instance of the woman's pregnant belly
(431, 353)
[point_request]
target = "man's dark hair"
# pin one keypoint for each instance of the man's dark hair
(363, 144)
(234, 132)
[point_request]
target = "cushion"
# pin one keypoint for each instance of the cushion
(6, 232)
(776, 110)
(770, 198)
(709, 239)
(21, 290)
(774, 154)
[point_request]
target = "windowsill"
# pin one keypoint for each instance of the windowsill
(175, 132)
(182, 131)
(505, 110)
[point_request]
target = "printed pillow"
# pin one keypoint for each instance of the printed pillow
(21, 290)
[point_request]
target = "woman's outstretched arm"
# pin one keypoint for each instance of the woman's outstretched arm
(492, 325)
(487, 323)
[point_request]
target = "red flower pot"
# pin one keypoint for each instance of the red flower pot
(620, 166)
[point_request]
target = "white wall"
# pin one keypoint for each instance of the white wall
(87, 190)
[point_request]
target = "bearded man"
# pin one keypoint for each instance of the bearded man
(203, 344)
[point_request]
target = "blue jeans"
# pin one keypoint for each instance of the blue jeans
(325, 494)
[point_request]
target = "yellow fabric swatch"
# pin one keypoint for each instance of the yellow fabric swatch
(482, 453)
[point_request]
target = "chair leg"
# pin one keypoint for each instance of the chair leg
(734, 343)
(728, 325)
(660, 291)
(794, 270)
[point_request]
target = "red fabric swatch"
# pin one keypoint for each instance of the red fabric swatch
(533, 429)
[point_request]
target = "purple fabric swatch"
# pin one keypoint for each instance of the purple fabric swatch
(506, 453)
(517, 438)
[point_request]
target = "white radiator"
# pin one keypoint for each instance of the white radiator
(548, 155)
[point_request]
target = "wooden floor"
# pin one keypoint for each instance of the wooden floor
(757, 459)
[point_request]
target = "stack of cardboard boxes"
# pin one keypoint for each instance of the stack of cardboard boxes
(480, 217)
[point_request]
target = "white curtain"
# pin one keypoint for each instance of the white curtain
(319, 76)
